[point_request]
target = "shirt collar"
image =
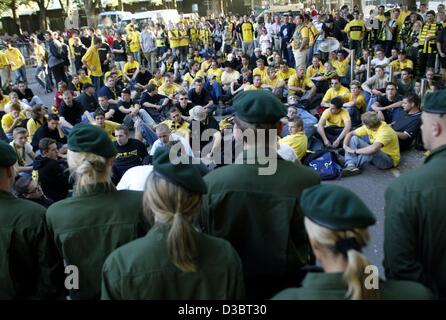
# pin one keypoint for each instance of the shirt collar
(436, 152)
(325, 281)
(6, 194)
(96, 188)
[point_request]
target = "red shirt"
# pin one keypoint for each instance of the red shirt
(110, 40)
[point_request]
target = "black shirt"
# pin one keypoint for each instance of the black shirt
(129, 155)
(208, 123)
(118, 45)
(87, 102)
(143, 78)
(201, 99)
(409, 123)
(72, 114)
(79, 52)
(184, 110)
(110, 93)
(119, 116)
(28, 95)
(44, 132)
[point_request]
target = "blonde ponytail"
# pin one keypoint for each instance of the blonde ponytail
(88, 169)
(349, 244)
(175, 206)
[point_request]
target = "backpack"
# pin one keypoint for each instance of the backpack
(325, 163)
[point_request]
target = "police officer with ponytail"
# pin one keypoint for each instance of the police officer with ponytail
(336, 221)
(97, 219)
(174, 260)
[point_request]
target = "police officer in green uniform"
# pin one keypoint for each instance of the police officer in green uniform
(173, 261)
(98, 218)
(254, 203)
(30, 266)
(414, 233)
(336, 221)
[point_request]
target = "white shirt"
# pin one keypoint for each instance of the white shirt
(173, 137)
(25, 153)
(286, 152)
(265, 42)
(135, 178)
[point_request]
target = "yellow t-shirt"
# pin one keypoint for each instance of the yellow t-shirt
(157, 83)
(32, 127)
(341, 66)
(286, 75)
(205, 66)
(298, 142)
(15, 57)
(3, 60)
(8, 120)
(359, 103)
(251, 87)
(398, 65)
(39, 52)
(169, 90)
(86, 79)
(184, 40)
(331, 93)
(215, 72)
(338, 119)
(190, 79)
(91, 58)
(312, 71)
(134, 38)
(174, 33)
(263, 73)
(130, 68)
(384, 135)
(302, 83)
(110, 127)
(247, 32)
(3, 102)
(272, 82)
(118, 75)
(355, 29)
(181, 129)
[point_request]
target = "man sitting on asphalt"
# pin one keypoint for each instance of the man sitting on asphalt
(407, 126)
(383, 151)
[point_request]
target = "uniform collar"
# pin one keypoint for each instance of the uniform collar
(436, 152)
(316, 280)
(96, 188)
(250, 156)
(6, 195)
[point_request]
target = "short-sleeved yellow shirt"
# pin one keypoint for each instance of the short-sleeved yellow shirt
(263, 73)
(398, 65)
(91, 58)
(298, 142)
(303, 83)
(384, 135)
(338, 119)
(331, 93)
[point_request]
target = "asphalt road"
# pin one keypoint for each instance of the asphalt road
(370, 185)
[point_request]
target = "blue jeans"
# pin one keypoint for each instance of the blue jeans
(97, 83)
(309, 123)
(379, 159)
(355, 116)
(20, 74)
(35, 100)
(149, 136)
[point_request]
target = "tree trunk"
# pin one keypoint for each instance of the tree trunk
(90, 11)
(358, 3)
(42, 15)
(412, 4)
(14, 15)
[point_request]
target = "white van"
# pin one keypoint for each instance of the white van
(165, 16)
(112, 18)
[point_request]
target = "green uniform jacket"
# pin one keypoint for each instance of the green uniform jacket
(142, 269)
(89, 226)
(331, 286)
(30, 266)
(415, 225)
(260, 215)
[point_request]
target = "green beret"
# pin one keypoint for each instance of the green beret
(335, 208)
(7, 155)
(90, 138)
(435, 102)
(189, 176)
(259, 106)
